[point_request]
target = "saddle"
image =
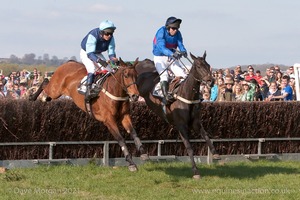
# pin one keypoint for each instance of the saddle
(100, 77)
(173, 87)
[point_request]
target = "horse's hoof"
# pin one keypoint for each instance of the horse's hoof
(216, 157)
(132, 168)
(197, 177)
(144, 157)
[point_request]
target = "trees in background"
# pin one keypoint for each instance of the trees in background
(31, 59)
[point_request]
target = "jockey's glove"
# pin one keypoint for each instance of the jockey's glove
(102, 62)
(176, 55)
(184, 54)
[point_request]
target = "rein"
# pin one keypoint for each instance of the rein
(187, 101)
(124, 87)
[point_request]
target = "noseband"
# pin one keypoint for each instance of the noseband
(122, 84)
(199, 80)
(187, 101)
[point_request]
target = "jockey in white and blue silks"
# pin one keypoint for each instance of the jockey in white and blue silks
(93, 45)
(167, 39)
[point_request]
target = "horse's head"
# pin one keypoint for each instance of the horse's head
(129, 77)
(202, 69)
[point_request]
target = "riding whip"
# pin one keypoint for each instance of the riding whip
(165, 69)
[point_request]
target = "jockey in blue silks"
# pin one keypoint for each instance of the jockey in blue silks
(167, 39)
(96, 42)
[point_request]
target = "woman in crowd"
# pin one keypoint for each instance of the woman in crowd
(238, 92)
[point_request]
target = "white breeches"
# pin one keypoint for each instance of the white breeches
(90, 65)
(162, 62)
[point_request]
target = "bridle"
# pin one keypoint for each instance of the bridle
(200, 80)
(123, 86)
(187, 101)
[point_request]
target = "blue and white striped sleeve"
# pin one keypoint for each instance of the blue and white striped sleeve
(91, 47)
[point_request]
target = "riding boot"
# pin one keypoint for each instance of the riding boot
(90, 93)
(165, 90)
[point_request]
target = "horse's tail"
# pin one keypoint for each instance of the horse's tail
(34, 96)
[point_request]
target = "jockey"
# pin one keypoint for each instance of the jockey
(167, 39)
(93, 44)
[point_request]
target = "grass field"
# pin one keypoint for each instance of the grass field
(169, 180)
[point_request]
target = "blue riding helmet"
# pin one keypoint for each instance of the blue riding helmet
(173, 22)
(107, 25)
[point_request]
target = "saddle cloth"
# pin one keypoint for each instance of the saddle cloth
(99, 80)
(173, 85)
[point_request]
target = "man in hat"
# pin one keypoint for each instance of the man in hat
(167, 39)
(228, 90)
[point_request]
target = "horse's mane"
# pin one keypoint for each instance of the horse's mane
(73, 61)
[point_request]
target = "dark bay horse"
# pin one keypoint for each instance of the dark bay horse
(110, 107)
(184, 113)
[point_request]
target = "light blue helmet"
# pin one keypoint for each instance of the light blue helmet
(106, 24)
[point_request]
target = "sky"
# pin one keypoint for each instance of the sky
(232, 32)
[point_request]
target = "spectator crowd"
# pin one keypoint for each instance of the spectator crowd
(227, 85)
(250, 85)
(17, 84)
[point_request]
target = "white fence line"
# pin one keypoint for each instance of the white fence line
(159, 143)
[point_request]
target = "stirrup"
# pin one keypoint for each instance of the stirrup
(92, 94)
(169, 98)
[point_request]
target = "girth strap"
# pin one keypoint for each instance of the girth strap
(114, 97)
(186, 100)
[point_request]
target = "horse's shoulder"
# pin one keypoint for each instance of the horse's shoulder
(146, 61)
(148, 78)
(146, 65)
(72, 64)
(72, 61)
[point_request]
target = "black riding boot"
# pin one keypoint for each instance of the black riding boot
(90, 93)
(165, 91)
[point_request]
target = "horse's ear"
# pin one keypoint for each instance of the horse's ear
(136, 61)
(204, 55)
(192, 56)
(122, 63)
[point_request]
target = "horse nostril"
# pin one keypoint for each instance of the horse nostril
(135, 97)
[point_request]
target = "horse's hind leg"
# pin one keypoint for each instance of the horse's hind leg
(127, 124)
(35, 95)
(113, 129)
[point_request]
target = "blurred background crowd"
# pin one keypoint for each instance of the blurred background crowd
(251, 85)
(18, 84)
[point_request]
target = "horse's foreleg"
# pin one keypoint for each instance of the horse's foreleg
(113, 129)
(198, 126)
(127, 124)
(184, 132)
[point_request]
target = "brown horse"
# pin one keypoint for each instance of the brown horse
(110, 107)
(184, 113)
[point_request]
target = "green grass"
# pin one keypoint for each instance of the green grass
(238, 180)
